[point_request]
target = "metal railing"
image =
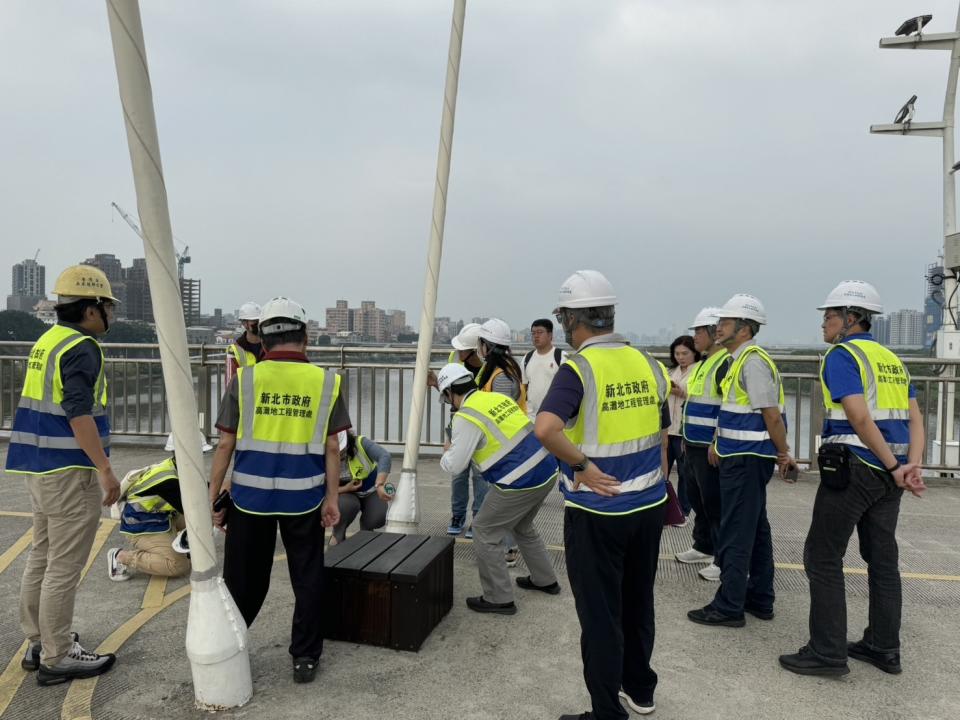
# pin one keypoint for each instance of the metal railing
(378, 384)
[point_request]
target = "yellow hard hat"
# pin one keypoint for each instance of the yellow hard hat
(83, 281)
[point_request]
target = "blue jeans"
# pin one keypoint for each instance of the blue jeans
(458, 492)
(745, 543)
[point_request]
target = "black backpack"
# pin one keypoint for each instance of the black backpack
(557, 357)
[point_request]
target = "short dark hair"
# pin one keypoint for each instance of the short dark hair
(687, 342)
(544, 323)
(73, 312)
(271, 340)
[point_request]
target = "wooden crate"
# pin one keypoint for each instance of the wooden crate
(387, 589)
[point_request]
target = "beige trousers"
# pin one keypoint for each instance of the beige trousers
(66, 513)
(153, 553)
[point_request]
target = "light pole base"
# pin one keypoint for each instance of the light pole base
(404, 513)
(217, 647)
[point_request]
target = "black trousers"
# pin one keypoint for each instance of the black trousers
(612, 567)
(248, 560)
(871, 504)
(705, 498)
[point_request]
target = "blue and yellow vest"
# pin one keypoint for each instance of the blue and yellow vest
(886, 389)
(280, 462)
(510, 457)
(702, 408)
(741, 429)
(362, 468)
(42, 441)
(144, 512)
(618, 427)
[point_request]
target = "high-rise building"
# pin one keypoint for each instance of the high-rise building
(190, 297)
(338, 318)
(29, 286)
(396, 323)
(369, 321)
(906, 328)
(880, 329)
(139, 305)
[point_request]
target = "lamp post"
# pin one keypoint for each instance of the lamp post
(910, 36)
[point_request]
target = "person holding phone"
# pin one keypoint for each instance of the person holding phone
(364, 491)
(871, 449)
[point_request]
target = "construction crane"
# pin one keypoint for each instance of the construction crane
(182, 257)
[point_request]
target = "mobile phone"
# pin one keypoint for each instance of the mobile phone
(223, 501)
(792, 474)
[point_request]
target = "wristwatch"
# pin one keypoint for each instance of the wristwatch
(581, 466)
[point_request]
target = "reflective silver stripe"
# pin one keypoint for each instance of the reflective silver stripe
(52, 443)
(522, 469)
(45, 406)
(621, 449)
(486, 422)
(855, 441)
(704, 400)
(875, 413)
(662, 381)
(318, 444)
(870, 390)
(590, 402)
(142, 485)
(51, 367)
(702, 421)
(637, 484)
(265, 483)
(745, 435)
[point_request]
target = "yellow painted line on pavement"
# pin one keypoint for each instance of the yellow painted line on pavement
(11, 678)
(15, 513)
(13, 552)
(13, 675)
(153, 595)
(79, 700)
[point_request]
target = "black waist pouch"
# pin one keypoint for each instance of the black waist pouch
(833, 460)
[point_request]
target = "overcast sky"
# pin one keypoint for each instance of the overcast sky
(689, 150)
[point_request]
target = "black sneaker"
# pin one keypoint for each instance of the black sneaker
(804, 662)
(78, 663)
(641, 707)
(526, 582)
(456, 525)
(708, 616)
(759, 612)
(31, 658)
(889, 662)
(305, 669)
(478, 604)
(580, 716)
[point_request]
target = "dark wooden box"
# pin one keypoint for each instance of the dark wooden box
(387, 589)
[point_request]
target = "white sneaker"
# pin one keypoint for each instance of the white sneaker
(639, 708)
(115, 569)
(711, 572)
(512, 557)
(78, 663)
(692, 557)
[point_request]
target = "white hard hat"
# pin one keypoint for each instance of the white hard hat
(282, 308)
(854, 293)
(586, 289)
(450, 374)
(706, 317)
(204, 445)
(496, 332)
(249, 311)
(744, 307)
(467, 338)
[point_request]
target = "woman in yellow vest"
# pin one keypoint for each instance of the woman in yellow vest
(151, 518)
(364, 490)
(501, 373)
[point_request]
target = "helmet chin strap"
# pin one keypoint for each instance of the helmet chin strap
(847, 325)
(103, 315)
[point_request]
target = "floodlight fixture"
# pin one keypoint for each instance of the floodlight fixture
(914, 25)
(906, 112)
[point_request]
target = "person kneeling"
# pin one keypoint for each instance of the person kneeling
(493, 432)
(151, 518)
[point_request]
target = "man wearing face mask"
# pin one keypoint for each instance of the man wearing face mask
(872, 446)
(493, 433)
(247, 348)
(605, 419)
